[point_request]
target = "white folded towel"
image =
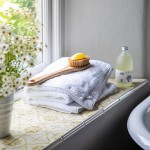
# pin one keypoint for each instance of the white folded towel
(72, 107)
(49, 95)
(84, 87)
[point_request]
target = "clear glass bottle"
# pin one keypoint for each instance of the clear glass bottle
(124, 69)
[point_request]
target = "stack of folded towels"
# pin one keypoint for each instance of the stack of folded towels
(73, 92)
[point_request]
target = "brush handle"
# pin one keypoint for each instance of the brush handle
(62, 71)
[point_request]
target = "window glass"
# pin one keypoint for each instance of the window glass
(24, 17)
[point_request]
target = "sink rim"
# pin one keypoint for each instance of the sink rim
(136, 126)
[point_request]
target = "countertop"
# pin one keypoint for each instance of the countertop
(34, 128)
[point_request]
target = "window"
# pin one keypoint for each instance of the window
(48, 12)
(17, 13)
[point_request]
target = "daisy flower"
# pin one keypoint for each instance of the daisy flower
(4, 47)
(6, 79)
(2, 68)
(2, 59)
(17, 39)
(24, 58)
(31, 63)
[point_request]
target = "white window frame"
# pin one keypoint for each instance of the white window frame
(53, 24)
(58, 28)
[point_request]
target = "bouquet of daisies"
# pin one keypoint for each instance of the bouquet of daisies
(17, 54)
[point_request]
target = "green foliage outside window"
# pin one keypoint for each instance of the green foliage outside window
(20, 16)
(25, 3)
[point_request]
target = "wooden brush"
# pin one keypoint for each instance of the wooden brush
(73, 66)
(79, 62)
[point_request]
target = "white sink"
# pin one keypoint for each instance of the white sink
(139, 124)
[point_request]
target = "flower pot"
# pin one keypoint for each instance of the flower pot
(6, 107)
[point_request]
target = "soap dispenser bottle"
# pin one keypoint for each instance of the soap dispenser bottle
(124, 69)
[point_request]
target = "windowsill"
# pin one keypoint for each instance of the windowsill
(36, 127)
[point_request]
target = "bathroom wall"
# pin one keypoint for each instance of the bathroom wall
(100, 27)
(147, 59)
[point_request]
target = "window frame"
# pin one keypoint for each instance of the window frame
(58, 29)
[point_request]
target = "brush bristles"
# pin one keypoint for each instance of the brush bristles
(79, 63)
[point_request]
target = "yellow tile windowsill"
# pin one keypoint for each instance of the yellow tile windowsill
(34, 128)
